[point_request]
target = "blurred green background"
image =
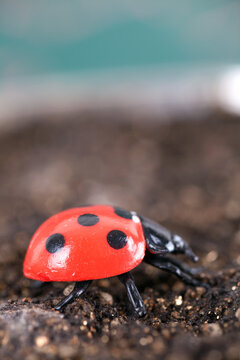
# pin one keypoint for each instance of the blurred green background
(59, 36)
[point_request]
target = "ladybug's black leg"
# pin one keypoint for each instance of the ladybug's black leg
(182, 266)
(166, 264)
(79, 289)
(133, 294)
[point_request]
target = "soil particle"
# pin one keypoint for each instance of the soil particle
(213, 329)
(183, 175)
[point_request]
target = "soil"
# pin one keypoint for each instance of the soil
(185, 175)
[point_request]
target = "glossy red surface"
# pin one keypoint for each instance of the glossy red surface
(86, 254)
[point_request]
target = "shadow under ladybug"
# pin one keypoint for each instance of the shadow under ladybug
(87, 243)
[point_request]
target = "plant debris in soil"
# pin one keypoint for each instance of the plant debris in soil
(184, 175)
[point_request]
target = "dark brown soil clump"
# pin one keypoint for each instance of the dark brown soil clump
(185, 176)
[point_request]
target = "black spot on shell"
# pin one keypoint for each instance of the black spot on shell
(54, 243)
(123, 213)
(117, 239)
(88, 219)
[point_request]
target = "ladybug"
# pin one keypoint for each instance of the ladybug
(100, 241)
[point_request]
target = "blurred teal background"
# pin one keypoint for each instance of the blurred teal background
(46, 37)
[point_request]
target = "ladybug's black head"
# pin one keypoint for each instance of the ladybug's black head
(162, 241)
(181, 246)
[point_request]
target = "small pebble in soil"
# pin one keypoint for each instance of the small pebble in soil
(41, 340)
(178, 300)
(106, 297)
(212, 329)
(68, 289)
(146, 340)
(211, 256)
(237, 314)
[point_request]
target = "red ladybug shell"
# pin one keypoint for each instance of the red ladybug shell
(85, 243)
